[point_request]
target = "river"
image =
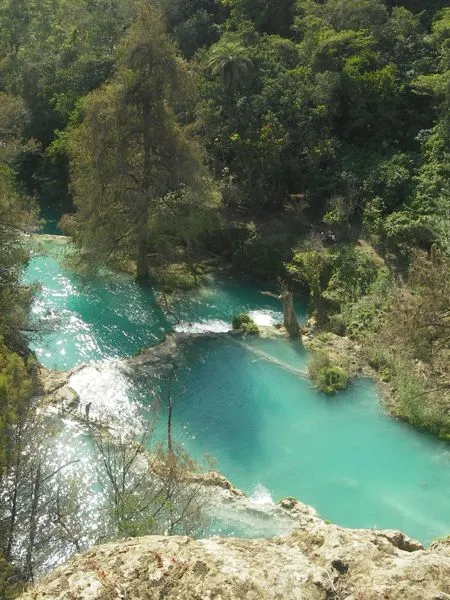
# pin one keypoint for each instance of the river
(246, 402)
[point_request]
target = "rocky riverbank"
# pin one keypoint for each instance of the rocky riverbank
(319, 561)
(348, 355)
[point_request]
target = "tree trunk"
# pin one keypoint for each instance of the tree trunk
(33, 523)
(291, 323)
(170, 402)
(15, 484)
(142, 272)
(290, 318)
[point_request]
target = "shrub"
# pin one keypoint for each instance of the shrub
(331, 380)
(245, 324)
(422, 408)
(382, 360)
(319, 360)
(261, 255)
(250, 328)
(240, 319)
(327, 378)
(9, 588)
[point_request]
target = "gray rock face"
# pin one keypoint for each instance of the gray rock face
(317, 562)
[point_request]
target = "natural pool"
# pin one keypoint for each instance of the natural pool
(247, 404)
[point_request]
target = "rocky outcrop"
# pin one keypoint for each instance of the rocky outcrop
(318, 562)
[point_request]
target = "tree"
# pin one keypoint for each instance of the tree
(268, 17)
(230, 60)
(256, 115)
(416, 335)
(290, 320)
(16, 388)
(424, 219)
(313, 267)
(17, 216)
(130, 155)
(194, 23)
(146, 490)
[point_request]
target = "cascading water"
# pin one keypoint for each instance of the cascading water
(247, 403)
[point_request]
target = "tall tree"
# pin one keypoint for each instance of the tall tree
(130, 155)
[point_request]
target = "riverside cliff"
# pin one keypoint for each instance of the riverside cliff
(319, 561)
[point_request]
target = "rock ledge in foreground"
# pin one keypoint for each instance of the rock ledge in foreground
(317, 562)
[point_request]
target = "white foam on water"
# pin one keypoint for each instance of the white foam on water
(265, 318)
(255, 517)
(261, 496)
(208, 326)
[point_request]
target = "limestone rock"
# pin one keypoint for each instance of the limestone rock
(317, 562)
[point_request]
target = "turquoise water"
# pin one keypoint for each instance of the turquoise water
(248, 404)
(51, 214)
(86, 319)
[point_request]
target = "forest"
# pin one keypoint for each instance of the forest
(305, 143)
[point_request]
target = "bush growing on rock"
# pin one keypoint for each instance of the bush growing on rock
(331, 380)
(245, 323)
(328, 378)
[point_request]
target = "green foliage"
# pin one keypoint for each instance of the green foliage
(268, 17)
(53, 53)
(366, 313)
(16, 387)
(416, 404)
(9, 588)
(249, 116)
(350, 286)
(246, 324)
(331, 380)
(139, 181)
(328, 378)
(174, 277)
(409, 347)
(17, 384)
(261, 252)
(313, 267)
(354, 272)
(194, 23)
(382, 360)
(228, 59)
(17, 217)
(346, 285)
(317, 100)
